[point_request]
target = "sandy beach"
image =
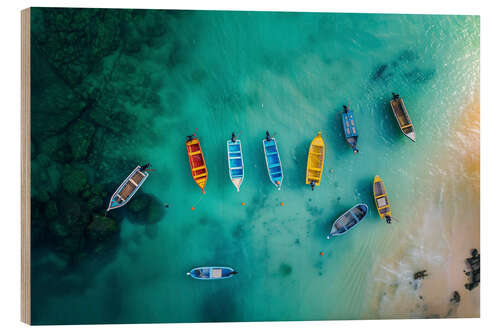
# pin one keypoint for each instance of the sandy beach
(440, 238)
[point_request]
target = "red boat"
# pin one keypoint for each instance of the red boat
(197, 162)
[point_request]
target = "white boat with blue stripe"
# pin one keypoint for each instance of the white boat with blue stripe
(129, 187)
(235, 162)
(348, 220)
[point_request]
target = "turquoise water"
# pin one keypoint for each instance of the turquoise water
(289, 73)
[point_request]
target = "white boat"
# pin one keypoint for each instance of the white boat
(128, 188)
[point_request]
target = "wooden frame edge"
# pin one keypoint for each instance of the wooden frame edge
(25, 166)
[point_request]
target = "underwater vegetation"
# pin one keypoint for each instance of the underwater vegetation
(285, 269)
(405, 68)
(87, 79)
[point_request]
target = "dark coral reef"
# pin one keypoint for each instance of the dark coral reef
(87, 88)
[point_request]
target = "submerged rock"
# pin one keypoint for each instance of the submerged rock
(51, 210)
(56, 103)
(474, 264)
(139, 203)
(82, 36)
(379, 72)
(420, 275)
(101, 228)
(80, 138)
(74, 179)
(285, 269)
(456, 297)
(144, 208)
(95, 196)
(88, 74)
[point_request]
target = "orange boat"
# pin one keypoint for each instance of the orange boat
(197, 162)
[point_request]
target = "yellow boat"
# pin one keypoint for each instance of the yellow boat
(315, 161)
(381, 200)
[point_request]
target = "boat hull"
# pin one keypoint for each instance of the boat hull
(381, 199)
(402, 117)
(235, 163)
(128, 188)
(211, 273)
(197, 163)
(315, 161)
(348, 220)
(273, 162)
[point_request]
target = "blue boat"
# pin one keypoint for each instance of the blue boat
(235, 162)
(211, 273)
(350, 131)
(128, 188)
(348, 220)
(273, 161)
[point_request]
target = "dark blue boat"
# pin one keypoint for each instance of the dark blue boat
(350, 131)
(348, 220)
(211, 273)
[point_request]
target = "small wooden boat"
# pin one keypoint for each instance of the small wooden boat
(127, 189)
(235, 161)
(315, 161)
(197, 162)
(350, 131)
(273, 161)
(211, 273)
(402, 116)
(348, 220)
(381, 200)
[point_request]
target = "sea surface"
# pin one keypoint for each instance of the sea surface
(290, 73)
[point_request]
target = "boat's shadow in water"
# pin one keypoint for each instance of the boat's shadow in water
(298, 175)
(335, 143)
(387, 128)
(365, 190)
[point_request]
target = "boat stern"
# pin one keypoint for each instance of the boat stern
(364, 208)
(201, 183)
(237, 183)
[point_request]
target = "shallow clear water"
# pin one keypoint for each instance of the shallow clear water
(289, 73)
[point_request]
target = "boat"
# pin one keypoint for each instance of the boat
(128, 188)
(315, 161)
(350, 131)
(381, 200)
(235, 161)
(197, 161)
(273, 161)
(211, 273)
(402, 116)
(348, 220)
